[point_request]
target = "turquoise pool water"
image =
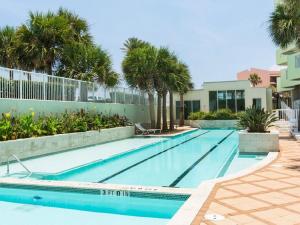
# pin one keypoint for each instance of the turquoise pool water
(183, 161)
(92, 207)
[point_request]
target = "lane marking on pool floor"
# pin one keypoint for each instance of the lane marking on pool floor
(181, 176)
(144, 160)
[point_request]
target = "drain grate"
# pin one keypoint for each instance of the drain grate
(214, 217)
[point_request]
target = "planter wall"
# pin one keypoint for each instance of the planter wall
(258, 142)
(213, 123)
(31, 147)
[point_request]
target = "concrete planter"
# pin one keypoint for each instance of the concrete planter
(31, 147)
(259, 142)
(213, 123)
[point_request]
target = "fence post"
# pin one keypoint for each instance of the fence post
(21, 86)
(124, 92)
(63, 89)
(44, 87)
(93, 92)
(79, 88)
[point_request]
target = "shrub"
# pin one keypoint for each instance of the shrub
(29, 125)
(256, 120)
(222, 114)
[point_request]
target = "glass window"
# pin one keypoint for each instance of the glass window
(240, 100)
(256, 102)
(177, 110)
(231, 100)
(213, 104)
(196, 106)
(187, 109)
(221, 99)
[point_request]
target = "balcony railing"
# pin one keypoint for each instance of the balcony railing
(18, 84)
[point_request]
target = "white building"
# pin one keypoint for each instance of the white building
(235, 95)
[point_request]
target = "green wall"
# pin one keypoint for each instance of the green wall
(135, 113)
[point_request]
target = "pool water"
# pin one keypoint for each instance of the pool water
(183, 161)
(93, 207)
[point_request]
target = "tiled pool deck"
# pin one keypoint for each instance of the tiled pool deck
(270, 195)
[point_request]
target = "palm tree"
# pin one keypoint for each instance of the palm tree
(184, 84)
(139, 68)
(39, 43)
(254, 79)
(164, 69)
(284, 23)
(7, 35)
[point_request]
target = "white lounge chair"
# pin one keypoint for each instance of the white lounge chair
(146, 131)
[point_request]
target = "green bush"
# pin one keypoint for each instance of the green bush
(29, 125)
(256, 120)
(223, 114)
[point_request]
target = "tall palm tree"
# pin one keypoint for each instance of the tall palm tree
(254, 79)
(7, 35)
(284, 23)
(164, 69)
(139, 67)
(184, 84)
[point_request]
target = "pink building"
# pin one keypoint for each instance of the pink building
(268, 77)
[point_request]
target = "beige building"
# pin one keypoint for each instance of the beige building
(235, 95)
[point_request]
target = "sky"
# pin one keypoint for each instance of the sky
(216, 38)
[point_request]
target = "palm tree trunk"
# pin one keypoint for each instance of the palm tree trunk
(151, 109)
(158, 116)
(171, 111)
(164, 112)
(181, 119)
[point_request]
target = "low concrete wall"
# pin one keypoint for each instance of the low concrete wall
(258, 142)
(213, 123)
(135, 113)
(31, 147)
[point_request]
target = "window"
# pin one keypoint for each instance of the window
(256, 102)
(187, 109)
(222, 99)
(273, 79)
(231, 100)
(196, 106)
(297, 61)
(240, 100)
(213, 103)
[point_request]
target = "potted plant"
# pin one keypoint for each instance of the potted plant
(256, 136)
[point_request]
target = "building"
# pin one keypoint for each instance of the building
(234, 95)
(289, 80)
(268, 77)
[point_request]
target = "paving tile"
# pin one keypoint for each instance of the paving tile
(276, 198)
(294, 207)
(245, 188)
(244, 203)
(271, 175)
(293, 191)
(220, 209)
(243, 219)
(273, 184)
(223, 193)
(278, 216)
(291, 180)
(253, 178)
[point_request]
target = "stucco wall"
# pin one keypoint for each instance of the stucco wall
(31, 147)
(135, 113)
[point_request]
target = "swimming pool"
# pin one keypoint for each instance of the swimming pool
(91, 207)
(183, 161)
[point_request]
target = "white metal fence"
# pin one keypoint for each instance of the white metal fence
(289, 115)
(18, 84)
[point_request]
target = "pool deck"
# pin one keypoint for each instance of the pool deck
(270, 195)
